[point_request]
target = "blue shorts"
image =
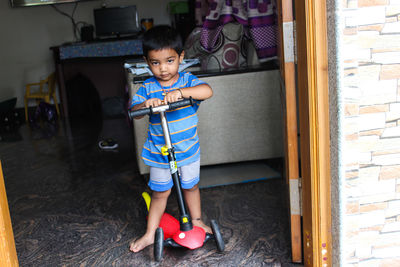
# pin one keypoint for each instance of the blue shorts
(161, 180)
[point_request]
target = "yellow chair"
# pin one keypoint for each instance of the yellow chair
(42, 93)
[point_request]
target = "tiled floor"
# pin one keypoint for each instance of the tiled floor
(72, 204)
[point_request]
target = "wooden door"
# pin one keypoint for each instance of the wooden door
(8, 253)
(303, 55)
(288, 88)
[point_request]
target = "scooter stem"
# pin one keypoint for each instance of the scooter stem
(185, 220)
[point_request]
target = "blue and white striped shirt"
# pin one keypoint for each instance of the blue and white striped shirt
(182, 124)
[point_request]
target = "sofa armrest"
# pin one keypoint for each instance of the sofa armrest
(140, 131)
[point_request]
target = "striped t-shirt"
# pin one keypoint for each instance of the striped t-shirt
(182, 124)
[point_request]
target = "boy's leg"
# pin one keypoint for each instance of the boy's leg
(157, 208)
(193, 201)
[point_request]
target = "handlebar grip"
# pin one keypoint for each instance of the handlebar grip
(181, 103)
(171, 106)
(139, 112)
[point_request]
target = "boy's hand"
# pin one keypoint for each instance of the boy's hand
(153, 102)
(173, 96)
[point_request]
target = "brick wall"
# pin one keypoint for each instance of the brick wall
(370, 54)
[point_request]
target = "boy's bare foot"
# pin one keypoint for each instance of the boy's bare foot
(141, 243)
(201, 224)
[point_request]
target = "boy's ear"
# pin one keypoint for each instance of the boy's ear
(181, 56)
(145, 59)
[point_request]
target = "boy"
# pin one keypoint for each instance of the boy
(163, 52)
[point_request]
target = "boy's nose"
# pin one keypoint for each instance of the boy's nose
(162, 67)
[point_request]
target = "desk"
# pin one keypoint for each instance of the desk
(102, 62)
(101, 49)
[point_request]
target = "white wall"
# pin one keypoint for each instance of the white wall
(27, 33)
(369, 82)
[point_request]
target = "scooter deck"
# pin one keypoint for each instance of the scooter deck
(170, 225)
(192, 239)
(171, 242)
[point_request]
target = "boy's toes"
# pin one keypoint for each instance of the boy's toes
(202, 225)
(208, 230)
(138, 245)
(133, 246)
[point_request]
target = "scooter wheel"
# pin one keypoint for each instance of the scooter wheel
(217, 236)
(158, 244)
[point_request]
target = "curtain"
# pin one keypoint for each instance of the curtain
(257, 16)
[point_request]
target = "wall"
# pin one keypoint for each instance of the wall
(28, 33)
(336, 117)
(370, 84)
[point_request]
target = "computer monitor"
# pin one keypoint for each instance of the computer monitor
(116, 21)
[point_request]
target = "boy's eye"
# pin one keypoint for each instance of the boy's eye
(170, 60)
(154, 63)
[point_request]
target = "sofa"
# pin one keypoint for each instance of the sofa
(241, 122)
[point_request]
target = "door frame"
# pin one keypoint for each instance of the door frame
(307, 33)
(8, 252)
(313, 96)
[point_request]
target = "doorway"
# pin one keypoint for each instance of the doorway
(314, 142)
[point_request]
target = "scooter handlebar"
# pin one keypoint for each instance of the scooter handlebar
(139, 112)
(181, 103)
(170, 106)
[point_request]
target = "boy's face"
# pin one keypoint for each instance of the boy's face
(164, 64)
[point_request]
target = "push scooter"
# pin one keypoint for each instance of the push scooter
(171, 232)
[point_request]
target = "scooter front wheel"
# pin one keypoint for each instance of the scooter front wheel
(217, 236)
(158, 244)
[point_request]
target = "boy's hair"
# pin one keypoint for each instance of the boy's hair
(161, 37)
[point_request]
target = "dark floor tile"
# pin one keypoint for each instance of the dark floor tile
(73, 204)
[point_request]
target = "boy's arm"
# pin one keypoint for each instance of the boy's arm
(198, 92)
